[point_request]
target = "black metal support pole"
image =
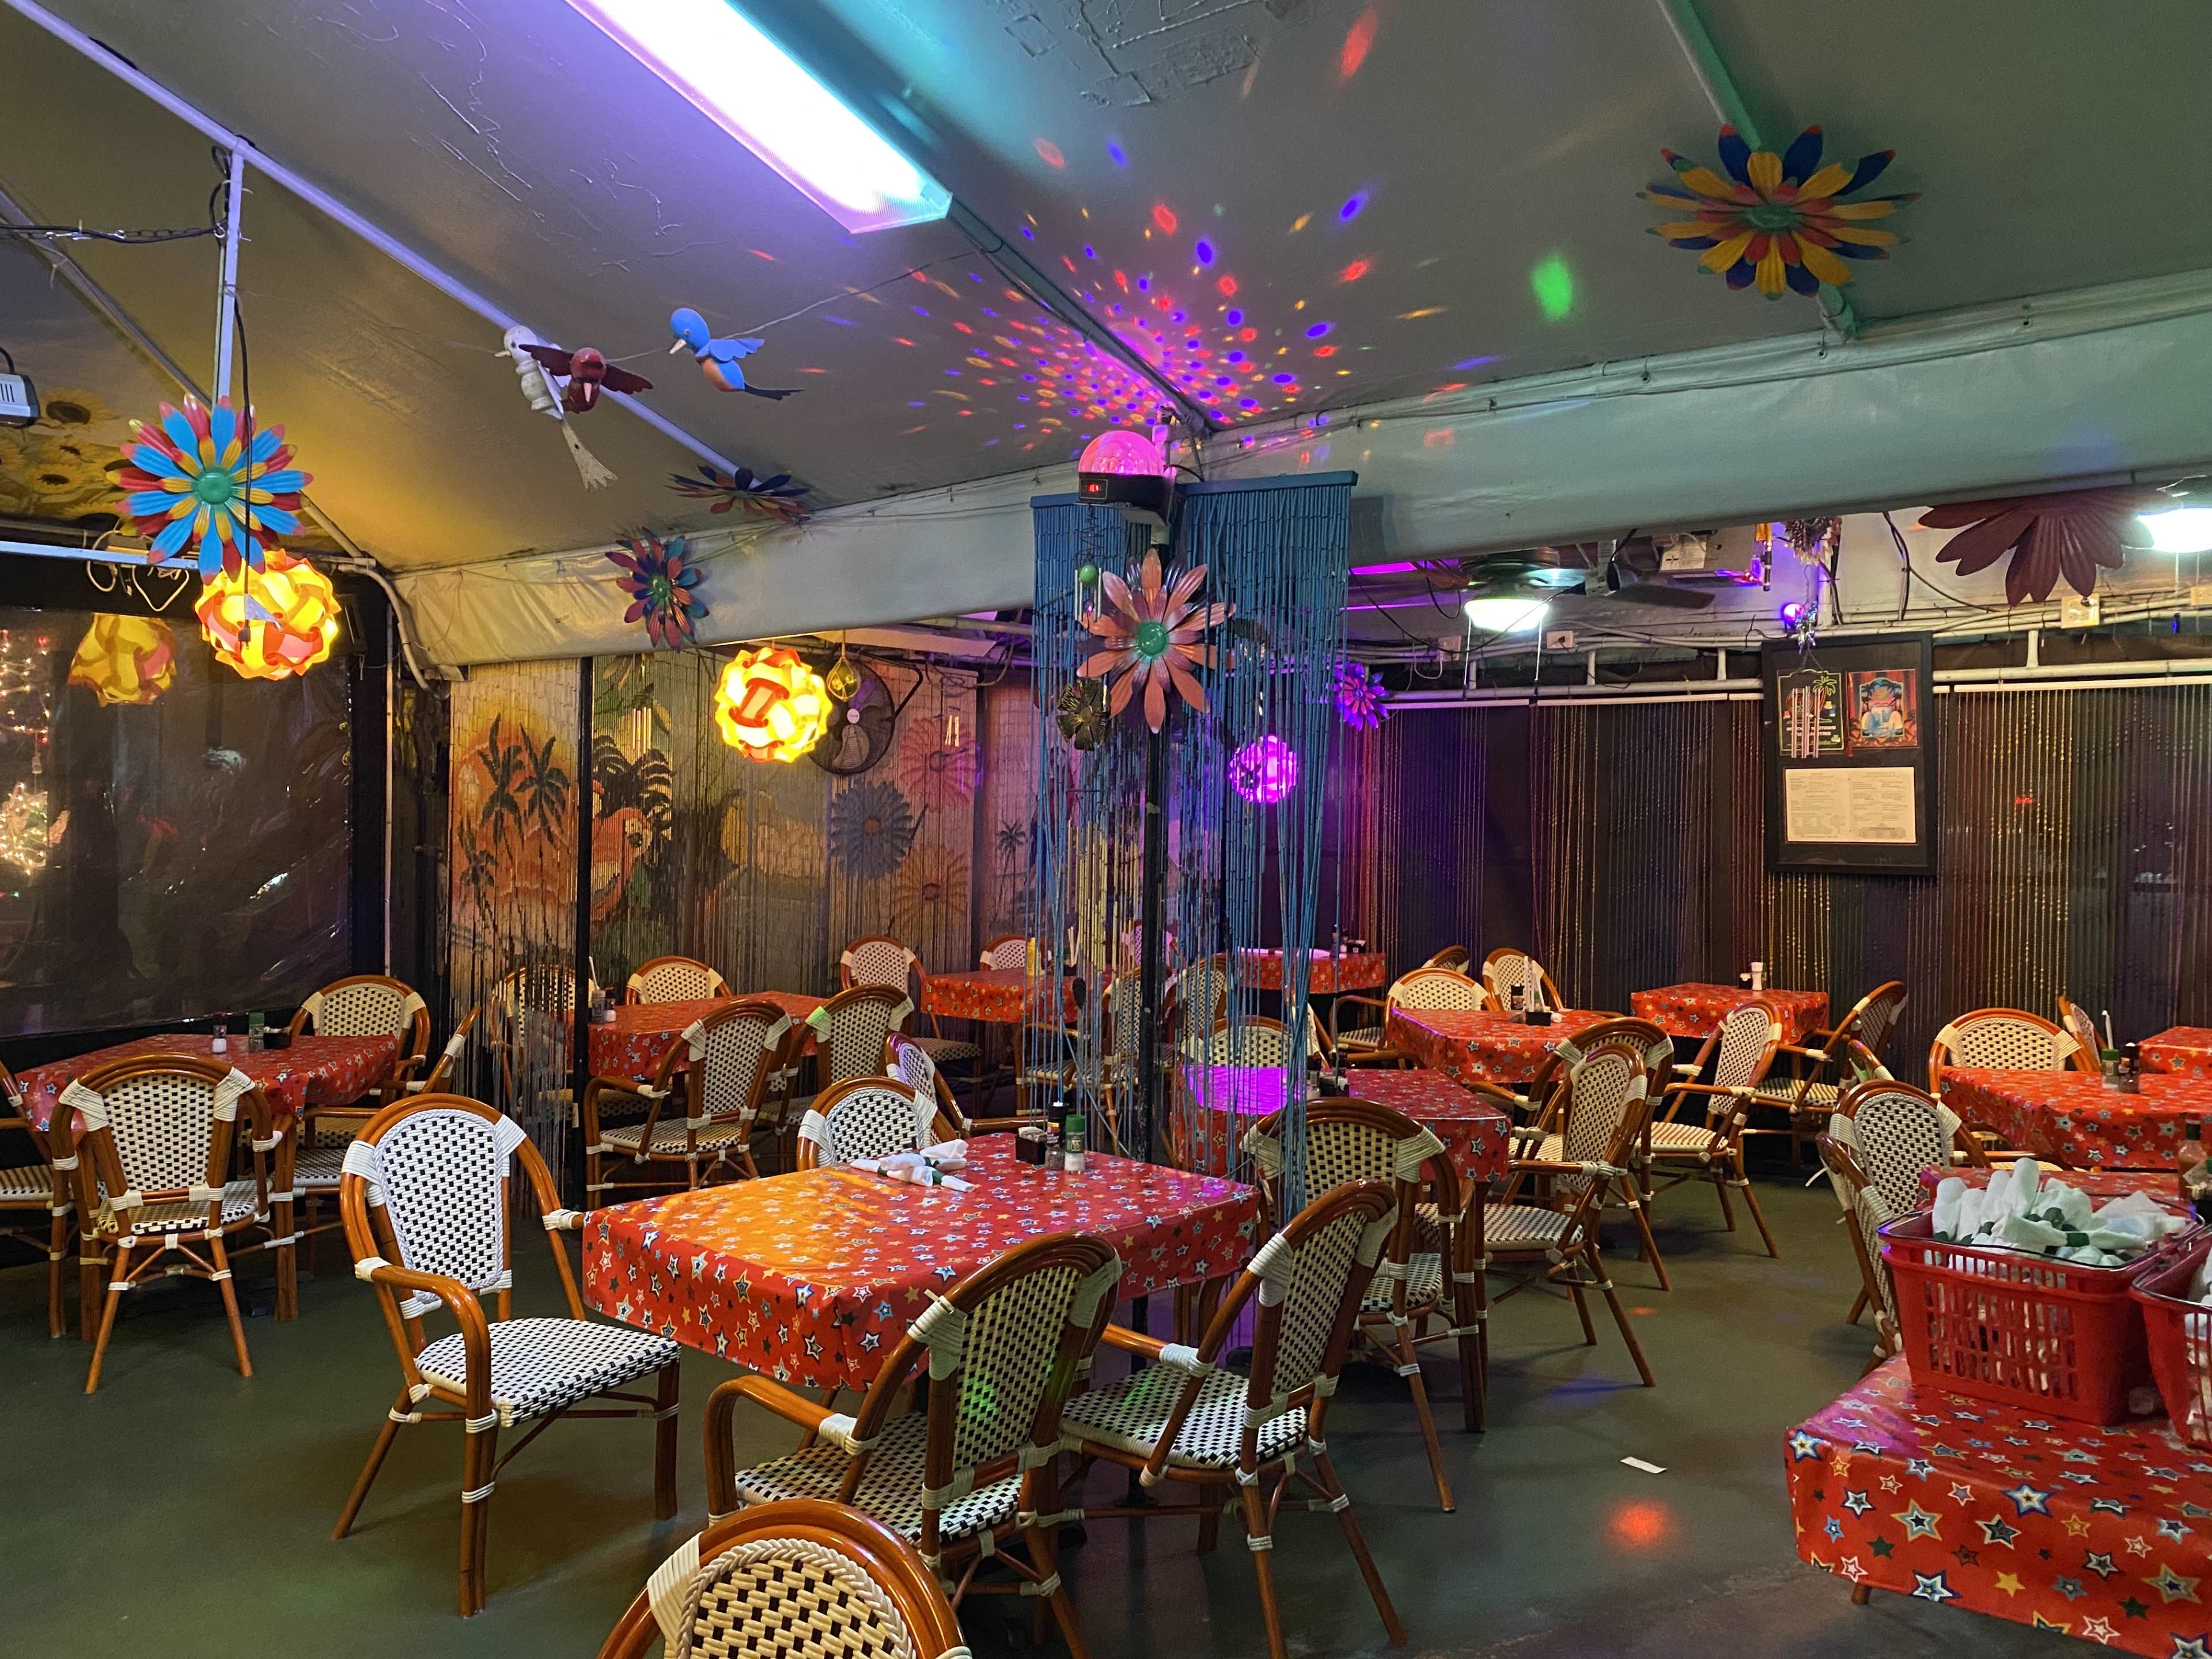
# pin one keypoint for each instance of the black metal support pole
(1152, 984)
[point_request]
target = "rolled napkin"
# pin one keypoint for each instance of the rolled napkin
(919, 1168)
(2019, 1211)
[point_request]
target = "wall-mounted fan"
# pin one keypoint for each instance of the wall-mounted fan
(861, 727)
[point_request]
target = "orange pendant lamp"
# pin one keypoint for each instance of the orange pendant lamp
(770, 706)
(270, 623)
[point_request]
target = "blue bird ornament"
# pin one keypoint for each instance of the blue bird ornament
(717, 359)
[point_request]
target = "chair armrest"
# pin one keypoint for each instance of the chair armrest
(1376, 1003)
(1129, 1342)
(1557, 1166)
(1818, 1056)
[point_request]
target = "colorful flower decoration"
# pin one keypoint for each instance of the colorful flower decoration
(937, 776)
(659, 580)
(930, 894)
(1776, 221)
(126, 661)
(776, 498)
(871, 828)
(2069, 534)
(1265, 770)
(206, 476)
(770, 706)
(1155, 642)
(272, 623)
(1359, 697)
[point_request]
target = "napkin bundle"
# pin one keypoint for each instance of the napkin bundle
(2019, 1211)
(926, 1168)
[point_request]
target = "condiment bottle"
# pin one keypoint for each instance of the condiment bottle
(1072, 1144)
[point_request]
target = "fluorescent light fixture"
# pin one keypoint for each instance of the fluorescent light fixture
(1506, 613)
(763, 97)
(2180, 529)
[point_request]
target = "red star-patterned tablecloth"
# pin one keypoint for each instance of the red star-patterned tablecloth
(2071, 1115)
(1481, 1046)
(1696, 1010)
(812, 1278)
(1235, 1097)
(315, 1071)
(995, 996)
(2184, 1049)
(2103, 1534)
(641, 1032)
(1355, 970)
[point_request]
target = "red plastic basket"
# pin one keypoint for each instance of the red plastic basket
(2019, 1329)
(2178, 1334)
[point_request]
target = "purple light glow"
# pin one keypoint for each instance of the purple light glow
(1127, 454)
(1265, 770)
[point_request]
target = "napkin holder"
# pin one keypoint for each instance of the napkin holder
(276, 1037)
(1537, 1016)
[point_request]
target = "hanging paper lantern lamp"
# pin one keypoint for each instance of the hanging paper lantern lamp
(128, 660)
(1264, 770)
(270, 623)
(770, 706)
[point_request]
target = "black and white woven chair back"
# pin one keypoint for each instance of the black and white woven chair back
(853, 1031)
(1744, 1031)
(1202, 992)
(2074, 1018)
(1605, 1090)
(728, 1055)
(1879, 1018)
(1438, 987)
(1310, 1281)
(1125, 1013)
(363, 1008)
(882, 962)
(1898, 1134)
(1514, 970)
(2005, 1041)
(912, 1066)
(872, 1121)
(1339, 1151)
(677, 979)
(163, 1126)
(1005, 954)
(771, 1597)
(1869, 1212)
(1248, 1042)
(437, 1172)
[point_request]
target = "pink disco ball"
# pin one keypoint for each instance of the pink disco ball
(1264, 770)
(1125, 454)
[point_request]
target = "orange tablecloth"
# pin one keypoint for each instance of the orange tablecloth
(315, 1071)
(1355, 970)
(2100, 1532)
(1235, 1097)
(997, 996)
(1481, 1047)
(812, 1278)
(2072, 1116)
(2186, 1049)
(1695, 1010)
(641, 1032)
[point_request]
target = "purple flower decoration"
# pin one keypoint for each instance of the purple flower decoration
(659, 577)
(1359, 697)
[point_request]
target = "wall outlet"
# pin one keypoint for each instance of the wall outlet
(1559, 639)
(2074, 611)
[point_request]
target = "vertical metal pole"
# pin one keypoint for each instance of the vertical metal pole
(226, 308)
(1152, 984)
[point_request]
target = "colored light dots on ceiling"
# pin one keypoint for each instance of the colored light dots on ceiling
(1049, 153)
(1354, 271)
(1116, 155)
(1163, 217)
(1227, 285)
(1358, 40)
(1318, 330)
(1203, 251)
(1351, 209)
(1554, 285)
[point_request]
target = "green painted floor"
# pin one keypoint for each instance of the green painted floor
(189, 1509)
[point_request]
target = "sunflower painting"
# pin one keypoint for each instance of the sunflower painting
(930, 899)
(59, 467)
(871, 830)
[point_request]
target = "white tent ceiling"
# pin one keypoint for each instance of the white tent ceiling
(1494, 151)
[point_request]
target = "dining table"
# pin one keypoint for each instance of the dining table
(1482, 1045)
(994, 996)
(2072, 1117)
(1476, 1134)
(811, 1278)
(2100, 1533)
(1695, 1010)
(630, 1043)
(312, 1072)
(1331, 973)
(2182, 1049)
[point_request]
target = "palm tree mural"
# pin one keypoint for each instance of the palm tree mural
(633, 815)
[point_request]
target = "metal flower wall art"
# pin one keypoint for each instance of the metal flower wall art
(659, 577)
(205, 477)
(776, 498)
(1155, 636)
(1778, 222)
(2071, 534)
(1358, 696)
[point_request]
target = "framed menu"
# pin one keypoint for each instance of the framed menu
(1849, 736)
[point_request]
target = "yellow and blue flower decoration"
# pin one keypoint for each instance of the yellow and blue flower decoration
(1777, 221)
(204, 478)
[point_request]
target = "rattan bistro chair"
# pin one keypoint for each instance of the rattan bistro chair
(37, 1202)
(370, 1005)
(1865, 1211)
(1005, 953)
(675, 979)
(1187, 1418)
(879, 960)
(699, 1108)
(2001, 1038)
(428, 1204)
(973, 1472)
(153, 1177)
(1546, 1099)
(1424, 988)
(1552, 1236)
(1818, 1072)
(800, 1578)
(869, 1117)
(1696, 1134)
(2074, 1019)
(1456, 956)
(1509, 968)
(1359, 1140)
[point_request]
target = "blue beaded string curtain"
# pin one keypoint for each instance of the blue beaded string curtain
(1243, 800)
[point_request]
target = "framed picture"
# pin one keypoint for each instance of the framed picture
(1850, 755)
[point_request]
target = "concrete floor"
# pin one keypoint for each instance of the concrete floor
(189, 1509)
